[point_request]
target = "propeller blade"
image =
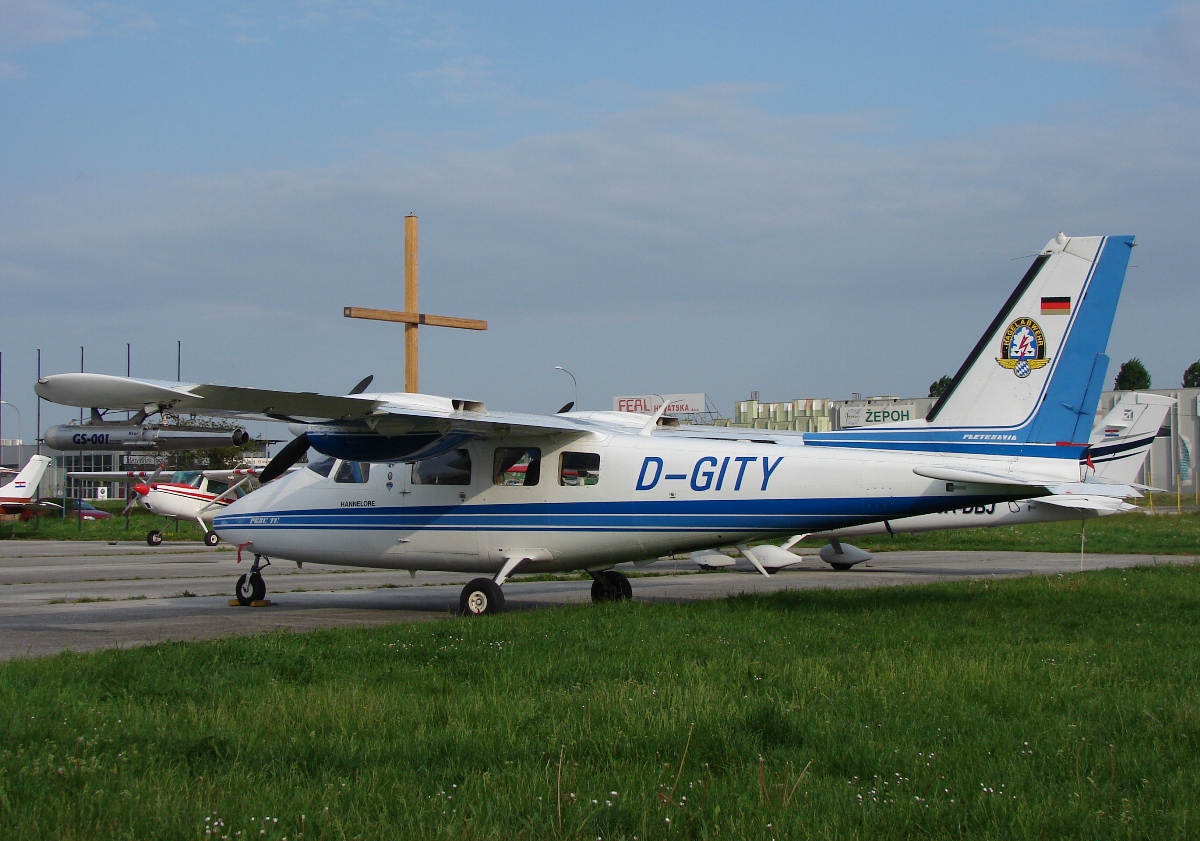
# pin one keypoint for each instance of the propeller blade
(286, 457)
(361, 387)
(133, 498)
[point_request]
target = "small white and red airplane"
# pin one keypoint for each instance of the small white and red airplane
(188, 495)
(20, 494)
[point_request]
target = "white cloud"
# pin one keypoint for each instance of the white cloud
(696, 243)
(32, 22)
(42, 21)
(464, 80)
(1161, 57)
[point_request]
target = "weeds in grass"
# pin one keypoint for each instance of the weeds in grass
(940, 711)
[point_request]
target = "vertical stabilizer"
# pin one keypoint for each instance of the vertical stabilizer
(1040, 366)
(1121, 441)
(25, 484)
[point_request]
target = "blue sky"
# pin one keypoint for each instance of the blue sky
(805, 199)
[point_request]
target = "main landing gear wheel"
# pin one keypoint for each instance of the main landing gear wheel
(251, 588)
(842, 567)
(610, 586)
(481, 597)
(154, 538)
(210, 538)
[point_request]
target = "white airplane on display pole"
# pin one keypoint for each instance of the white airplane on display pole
(418, 482)
(1117, 450)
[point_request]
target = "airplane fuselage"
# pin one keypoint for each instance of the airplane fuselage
(635, 497)
(181, 502)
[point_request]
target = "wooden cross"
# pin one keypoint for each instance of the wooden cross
(410, 318)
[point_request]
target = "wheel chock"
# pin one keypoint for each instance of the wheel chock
(259, 603)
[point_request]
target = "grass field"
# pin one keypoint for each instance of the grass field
(1023, 708)
(57, 527)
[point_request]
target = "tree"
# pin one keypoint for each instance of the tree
(1132, 376)
(943, 385)
(1191, 377)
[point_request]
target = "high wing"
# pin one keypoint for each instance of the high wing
(115, 475)
(379, 413)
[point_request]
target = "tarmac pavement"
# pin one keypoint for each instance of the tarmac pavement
(84, 595)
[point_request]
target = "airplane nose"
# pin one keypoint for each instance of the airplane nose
(141, 489)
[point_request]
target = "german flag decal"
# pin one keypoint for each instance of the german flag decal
(1056, 306)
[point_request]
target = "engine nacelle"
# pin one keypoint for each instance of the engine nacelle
(842, 555)
(70, 437)
(711, 559)
(415, 446)
(774, 558)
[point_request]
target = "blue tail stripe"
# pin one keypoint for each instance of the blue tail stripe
(1065, 407)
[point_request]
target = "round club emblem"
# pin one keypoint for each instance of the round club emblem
(1023, 348)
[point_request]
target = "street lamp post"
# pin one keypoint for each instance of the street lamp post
(573, 380)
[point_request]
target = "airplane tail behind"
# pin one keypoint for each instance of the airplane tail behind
(25, 484)
(1121, 440)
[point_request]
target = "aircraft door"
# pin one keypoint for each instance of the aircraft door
(433, 492)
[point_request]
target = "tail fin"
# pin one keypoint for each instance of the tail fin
(24, 485)
(1040, 367)
(1034, 379)
(1121, 441)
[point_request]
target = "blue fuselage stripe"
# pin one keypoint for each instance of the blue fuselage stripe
(714, 516)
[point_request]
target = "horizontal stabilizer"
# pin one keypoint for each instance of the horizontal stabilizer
(1099, 504)
(1097, 489)
(983, 477)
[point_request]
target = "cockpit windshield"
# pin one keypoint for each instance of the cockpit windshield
(187, 477)
(322, 467)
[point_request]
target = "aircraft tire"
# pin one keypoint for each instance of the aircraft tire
(211, 539)
(620, 585)
(610, 586)
(842, 567)
(481, 597)
(251, 588)
(154, 538)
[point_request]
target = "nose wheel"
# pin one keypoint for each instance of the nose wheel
(610, 586)
(251, 587)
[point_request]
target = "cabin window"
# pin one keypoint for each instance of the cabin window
(353, 473)
(450, 468)
(517, 466)
(576, 469)
(216, 487)
(322, 467)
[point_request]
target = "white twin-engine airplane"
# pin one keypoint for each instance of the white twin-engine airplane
(417, 482)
